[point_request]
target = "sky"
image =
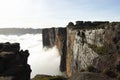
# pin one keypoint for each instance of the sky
(55, 13)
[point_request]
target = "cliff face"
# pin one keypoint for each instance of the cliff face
(97, 46)
(79, 53)
(58, 37)
(13, 62)
(61, 39)
(91, 44)
(48, 37)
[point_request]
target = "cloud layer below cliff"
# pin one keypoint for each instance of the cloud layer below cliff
(42, 61)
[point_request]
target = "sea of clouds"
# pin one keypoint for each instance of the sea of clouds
(42, 61)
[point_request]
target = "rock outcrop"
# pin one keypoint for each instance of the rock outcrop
(48, 77)
(90, 45)
(13, 62)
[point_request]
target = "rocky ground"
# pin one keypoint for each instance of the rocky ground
(48, 77)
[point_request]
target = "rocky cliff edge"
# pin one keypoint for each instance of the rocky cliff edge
(87, 46)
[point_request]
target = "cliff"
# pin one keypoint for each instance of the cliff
(90, 46)
(13, 62)
(97, 45)
(58, 37)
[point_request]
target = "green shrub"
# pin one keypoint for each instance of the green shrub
(98, 49)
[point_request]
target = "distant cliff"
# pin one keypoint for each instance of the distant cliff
(88, 46)
(19, 31)
(58, 37)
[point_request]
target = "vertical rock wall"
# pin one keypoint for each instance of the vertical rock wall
(87, 44)
(79, 54)
(70, 44)
(61, 39)
(56, 36)
(49, 36)
(96, 44)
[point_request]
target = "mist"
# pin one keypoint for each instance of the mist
(42, 60)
